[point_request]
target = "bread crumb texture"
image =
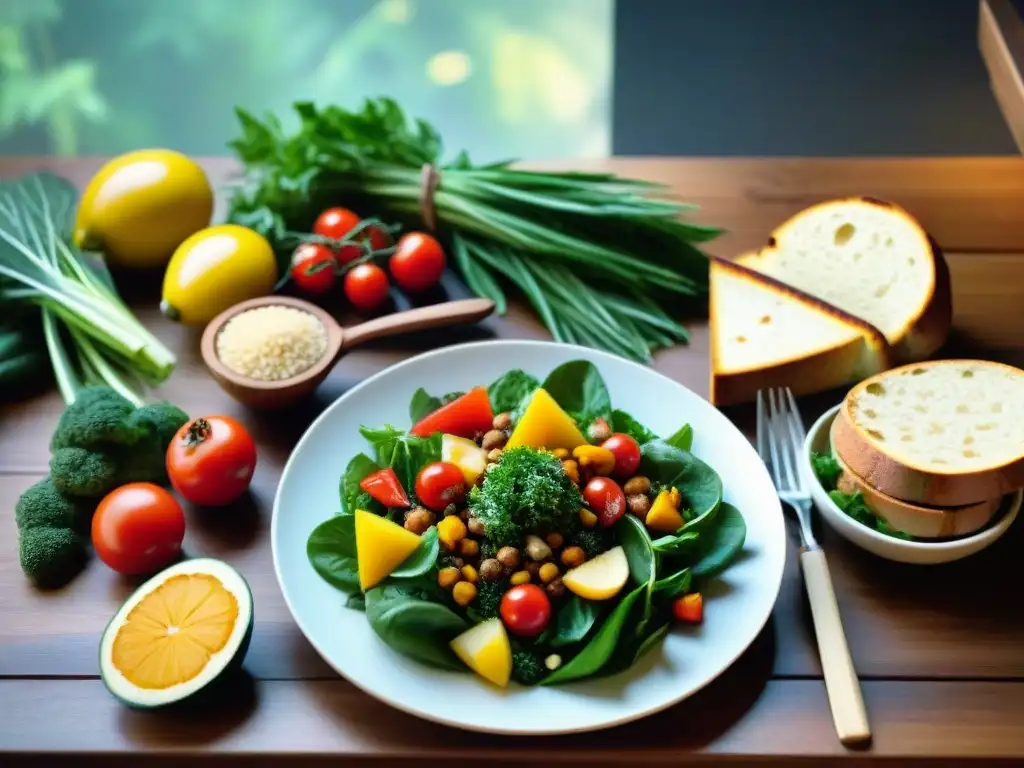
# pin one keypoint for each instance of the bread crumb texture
(272, 343)
(953, 417)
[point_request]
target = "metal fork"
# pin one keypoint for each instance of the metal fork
(780, 440)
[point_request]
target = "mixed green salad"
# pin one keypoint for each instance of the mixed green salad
(828, 470)
(526, 530)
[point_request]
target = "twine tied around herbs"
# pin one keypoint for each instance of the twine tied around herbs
(430, 178)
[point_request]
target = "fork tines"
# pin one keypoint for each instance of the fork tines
(780, 436)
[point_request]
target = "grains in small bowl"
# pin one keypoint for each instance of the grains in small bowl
(272, 342)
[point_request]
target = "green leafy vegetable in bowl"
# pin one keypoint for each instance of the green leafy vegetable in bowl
(505, 560)
(828, 470)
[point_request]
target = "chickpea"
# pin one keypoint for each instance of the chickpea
(494, 439)
(476, 526)
(494, 456)
(556, 588)
(463, 593)
(572, 469)
(447, 577)
(548, 573)
(536, 548)
(450, 510)
(464, 515)
(588, 518)
(491, 570)
(502, 421)
(469, 548)
(520, 577)
(553, 662)
(639, 505)
(635, 485)
(599, 430)
(418, 520)
(560, 453)
(554, 540)
(573, 557)
(508, 556)
(532, 567)
(469, 573)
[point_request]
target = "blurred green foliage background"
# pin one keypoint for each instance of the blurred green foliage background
(500, 78)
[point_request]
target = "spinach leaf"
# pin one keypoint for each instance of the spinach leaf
(413, 625)
(356, 602)
(572, 623)
(676, 543)
(623, 422)
(675, 584)
(511, 389)
(578, 387)
(654, 637)
(669, 466)
(357, 470)
(826, 469)
(721, 542)
(423, 403)
(636, 542)
(422, 560)
(683, 438)
(331, 549)
(596, 653)
(404, 453)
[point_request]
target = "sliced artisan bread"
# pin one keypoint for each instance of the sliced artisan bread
(944, 433)
(871, 259)
(766, 334)
(918, 520)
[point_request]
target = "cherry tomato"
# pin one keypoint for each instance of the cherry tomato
(417, 262)
(439, 484)
(464, 416)
(385, 487)
(211, 460)
(349, 252)
(379, 238)
(689, 608)
(605, 497)
(313, 268)
(366, 286)
(526, 610)
(627, 454)
(335, 223)
(138, 528)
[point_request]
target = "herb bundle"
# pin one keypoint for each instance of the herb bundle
(602, 261)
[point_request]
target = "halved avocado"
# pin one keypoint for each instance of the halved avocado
(177, 634)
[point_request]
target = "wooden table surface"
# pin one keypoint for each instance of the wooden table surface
(940, 649)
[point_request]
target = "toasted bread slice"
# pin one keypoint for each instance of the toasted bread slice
(944, 433)
(917, 520)
(766, 334)
(871, 259)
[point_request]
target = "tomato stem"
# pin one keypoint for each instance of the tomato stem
(198, 431)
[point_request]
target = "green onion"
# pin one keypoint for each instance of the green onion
(603, 261)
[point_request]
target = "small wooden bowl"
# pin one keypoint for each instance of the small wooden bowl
(274, 395)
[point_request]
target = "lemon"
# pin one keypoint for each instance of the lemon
(141, 205)
(214, 269)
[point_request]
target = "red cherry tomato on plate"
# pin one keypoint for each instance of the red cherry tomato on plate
(605, 497)
(626, 451)
(335, 223)
(526, 610)
(439, 484)
(211, 460)
(366, 286)
(417, 262)
(138, 528)
(384, 486)
(313, 268)
(464, 416)
(689, 608)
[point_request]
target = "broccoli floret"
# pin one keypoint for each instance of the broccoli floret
(51, 556)
(527, 669)
(42, 505)
(161, 422)
(593, 542)
(488, 597)
(98, 416)
(526, 491)
(82, 472)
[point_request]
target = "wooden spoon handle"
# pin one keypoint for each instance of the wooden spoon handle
(419, 319)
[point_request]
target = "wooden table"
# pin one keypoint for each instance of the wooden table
(940, 649)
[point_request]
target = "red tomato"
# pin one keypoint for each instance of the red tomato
(627, 454)
(605, 497)
(439, 484)
(211, 460)
(464, 416)
(526, 610)
(335, 223)
(138, 528)
(417, 262)
(385, 487)
(689, 608)
(349, 253)
(379, 238)
(366, 286)
(313, 268)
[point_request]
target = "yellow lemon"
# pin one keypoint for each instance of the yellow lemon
(141, 205)
(214, 269)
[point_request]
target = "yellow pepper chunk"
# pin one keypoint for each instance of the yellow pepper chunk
(451, 531)
(664, 514)
(545, 425)
(600, 461)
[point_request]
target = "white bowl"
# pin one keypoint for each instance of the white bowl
(902, 551)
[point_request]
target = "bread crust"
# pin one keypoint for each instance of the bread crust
(923, 522)
(817, 372)
(918, 485)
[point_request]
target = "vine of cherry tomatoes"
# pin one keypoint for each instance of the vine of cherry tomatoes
(415, 262)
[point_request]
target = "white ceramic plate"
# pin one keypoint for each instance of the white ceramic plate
(889, 547)
(737, 607)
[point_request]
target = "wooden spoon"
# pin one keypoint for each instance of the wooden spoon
(271, 395)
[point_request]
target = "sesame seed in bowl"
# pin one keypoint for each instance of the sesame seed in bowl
(272, 342)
